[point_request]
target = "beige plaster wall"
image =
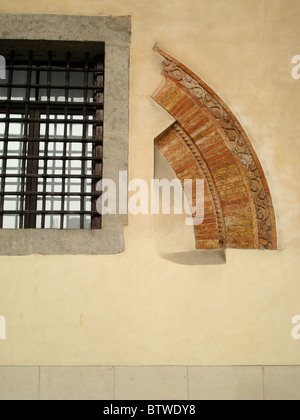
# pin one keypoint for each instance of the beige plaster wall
(137, 308)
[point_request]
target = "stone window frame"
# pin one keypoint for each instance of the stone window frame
(115, 33)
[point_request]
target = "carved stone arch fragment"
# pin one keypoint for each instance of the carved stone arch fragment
(207, 142)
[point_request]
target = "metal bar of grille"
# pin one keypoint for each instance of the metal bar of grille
(46, 139)
(50, 120)
(98, 137)
(84, 135)
(25, 142)
(40, 157)
(62, 219)
(6, 135)
(53, 176)
(32, 168)
(76, 104)
(43, 86)
(38, 212)
(51, 194)
(58, 140)
(54, 68)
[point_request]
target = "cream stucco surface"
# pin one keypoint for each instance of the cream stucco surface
(137, 308)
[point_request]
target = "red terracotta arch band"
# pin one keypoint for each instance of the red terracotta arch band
(207, 142)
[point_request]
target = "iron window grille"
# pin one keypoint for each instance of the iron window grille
(51, 134)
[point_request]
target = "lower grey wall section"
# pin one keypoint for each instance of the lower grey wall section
(150, 383)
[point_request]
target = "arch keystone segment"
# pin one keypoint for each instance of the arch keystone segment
(207, 142)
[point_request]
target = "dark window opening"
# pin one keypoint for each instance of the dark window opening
(51, 134)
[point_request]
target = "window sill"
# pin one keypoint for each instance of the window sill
(21, 242)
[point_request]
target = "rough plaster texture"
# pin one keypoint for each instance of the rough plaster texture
(137, 308)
